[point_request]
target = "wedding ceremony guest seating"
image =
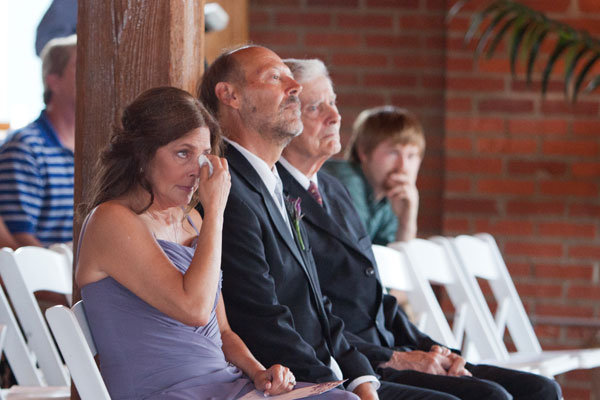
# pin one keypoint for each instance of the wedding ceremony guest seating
(25, 271)
(395, 274)
(430, 262)
(30, 380)
(72, 333)
(19, 357)
(479, 257)
(66, 249)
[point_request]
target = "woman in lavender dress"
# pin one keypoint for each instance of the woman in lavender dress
(149, 264)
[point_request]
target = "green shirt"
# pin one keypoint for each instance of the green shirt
(378, 218)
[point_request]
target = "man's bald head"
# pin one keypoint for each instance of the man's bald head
(226, 68)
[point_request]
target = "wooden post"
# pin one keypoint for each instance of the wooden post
(125, 47)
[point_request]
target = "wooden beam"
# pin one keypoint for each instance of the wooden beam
(125, 47)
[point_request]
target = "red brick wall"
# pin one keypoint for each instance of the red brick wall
(527, 170)
(499, 158)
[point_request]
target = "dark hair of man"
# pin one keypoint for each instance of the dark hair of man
(155, 118)
(224, 69)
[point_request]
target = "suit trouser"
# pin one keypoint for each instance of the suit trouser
(397, 391)
(487, 382)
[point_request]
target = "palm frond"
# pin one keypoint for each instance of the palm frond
(586, 68)
(561, 46)
(525, 29)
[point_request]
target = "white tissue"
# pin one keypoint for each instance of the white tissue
(202, 159)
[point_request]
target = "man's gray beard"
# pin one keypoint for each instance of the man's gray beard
(282, 133)
(276, 129)
(285, 134)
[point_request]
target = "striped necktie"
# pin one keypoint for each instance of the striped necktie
(314, 192)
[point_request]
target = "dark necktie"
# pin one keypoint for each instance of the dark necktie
(314, 192)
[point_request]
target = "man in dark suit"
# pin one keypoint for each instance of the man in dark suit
(347, 271)
(270, 284)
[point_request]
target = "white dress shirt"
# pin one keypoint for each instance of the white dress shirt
(269, 177)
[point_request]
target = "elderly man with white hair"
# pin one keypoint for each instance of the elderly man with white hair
(347, 271)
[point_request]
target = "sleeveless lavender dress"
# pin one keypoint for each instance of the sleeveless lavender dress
(145, 354)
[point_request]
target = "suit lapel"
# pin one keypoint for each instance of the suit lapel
(245, 170)
(316, 214)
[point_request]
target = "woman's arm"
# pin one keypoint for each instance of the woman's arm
(275, 380)
(118, 243)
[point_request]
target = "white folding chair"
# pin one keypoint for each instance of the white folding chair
(72, 333)
(429, 260)
(17, 355)
(66, 249)
(395, 274)
(479, 257)
(24, 272)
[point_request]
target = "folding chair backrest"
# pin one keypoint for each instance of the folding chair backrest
(18, 355)
(66, 250)
(434, 262)
(395, 274)
(24, 271)
(392, 269)
(72, 333)
(480, 257)
(44, 269)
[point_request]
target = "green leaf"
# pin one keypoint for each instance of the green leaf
(500, 36)
(477, 19)
(488, 31)
(517, 36)
(534, 52)
(528, 29)
(560, 47)
(573, 56)
(586, 68)
(528, 39)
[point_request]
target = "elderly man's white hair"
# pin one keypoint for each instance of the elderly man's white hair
(307, 69)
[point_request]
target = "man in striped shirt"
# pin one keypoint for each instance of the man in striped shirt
(36, 162)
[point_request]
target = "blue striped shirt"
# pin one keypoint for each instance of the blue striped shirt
(36, 183)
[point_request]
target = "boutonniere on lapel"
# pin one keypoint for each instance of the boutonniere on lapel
(295, 212)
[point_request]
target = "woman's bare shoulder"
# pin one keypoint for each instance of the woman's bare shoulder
(113, 214)
(110, 229)
(112, 223)
(112, 209)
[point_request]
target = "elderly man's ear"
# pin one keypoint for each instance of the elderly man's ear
(226, 93)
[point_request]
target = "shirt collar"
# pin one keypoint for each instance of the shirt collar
(302, 179)
(49, 131)
(267, 175)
